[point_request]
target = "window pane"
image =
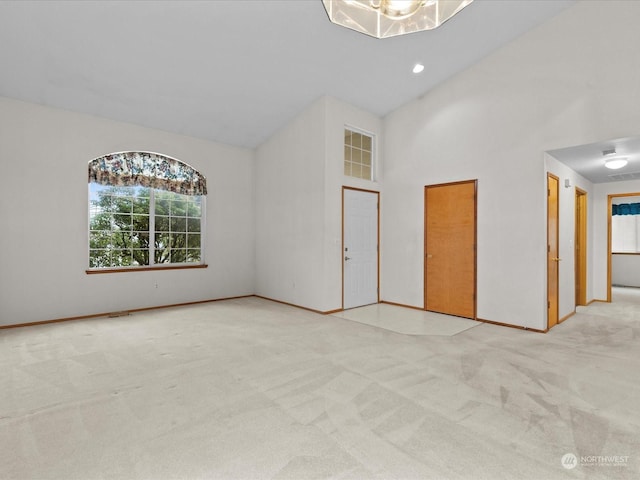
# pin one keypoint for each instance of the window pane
(99, 259)
(120, 258)
(141, 205)
(162, 256)
(141, 222)
(347, 136)
(178, 240)
(194, 209)
(94, 210)
(140, 257)
(178, 224)
(126, 259)
(122, 222)
(366, 142)
(178, 208)
(366, 173)
(122, 204)
(356, 140)
(193, 255)
(141, 239)
(366, 158)
(101, 221)
(122, 239)
(162, 205)
(162, 224)
(347, 168)
(104, 202)
(162, 241)
(193, 241)
(193, 224)
(178, 255)
(99, 239)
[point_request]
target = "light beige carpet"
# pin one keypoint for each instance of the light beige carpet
(251, 389)
(407, 320)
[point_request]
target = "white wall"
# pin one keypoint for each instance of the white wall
(290, 211)
(299, 178)
(43, 195)
(625, 270)
(571, 81)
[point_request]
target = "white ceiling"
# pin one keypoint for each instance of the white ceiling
(588, 160)
(232, 71)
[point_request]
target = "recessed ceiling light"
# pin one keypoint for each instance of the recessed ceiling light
(615, 163)
(418, 67)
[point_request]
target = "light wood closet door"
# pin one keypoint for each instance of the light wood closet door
(553, 258)
(450, 248)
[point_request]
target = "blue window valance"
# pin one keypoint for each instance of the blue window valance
(626, 209)
(147, 169)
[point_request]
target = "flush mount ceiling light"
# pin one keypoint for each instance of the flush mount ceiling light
(417, 68)
(613, 162)
(388, 18)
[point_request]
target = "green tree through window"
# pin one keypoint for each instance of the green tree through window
(145, 209)
(138, 226)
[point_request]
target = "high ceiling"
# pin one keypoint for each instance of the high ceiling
(232, 71)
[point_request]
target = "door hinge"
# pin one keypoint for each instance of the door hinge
(548, 304)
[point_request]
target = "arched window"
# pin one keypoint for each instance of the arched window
(145, 210)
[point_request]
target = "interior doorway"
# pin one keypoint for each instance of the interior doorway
(610, 248)
(360, 239)
(450, 248)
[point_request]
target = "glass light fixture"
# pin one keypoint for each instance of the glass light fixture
(388, 18)
(615, 163)
(611, 161)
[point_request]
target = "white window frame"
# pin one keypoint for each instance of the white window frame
(152, 233)
(374, 148)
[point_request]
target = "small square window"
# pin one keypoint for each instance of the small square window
(358, 155)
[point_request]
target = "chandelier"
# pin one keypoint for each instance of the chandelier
(388, 18)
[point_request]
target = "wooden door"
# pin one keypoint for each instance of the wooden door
(360, 248)
(450, 248)
(581, 247)
(553, 229)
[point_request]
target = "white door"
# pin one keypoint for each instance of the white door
(360, 248)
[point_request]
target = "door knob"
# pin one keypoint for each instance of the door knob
(556, 259)
(347, 258)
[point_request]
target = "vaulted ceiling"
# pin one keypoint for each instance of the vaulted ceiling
(232, 71)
